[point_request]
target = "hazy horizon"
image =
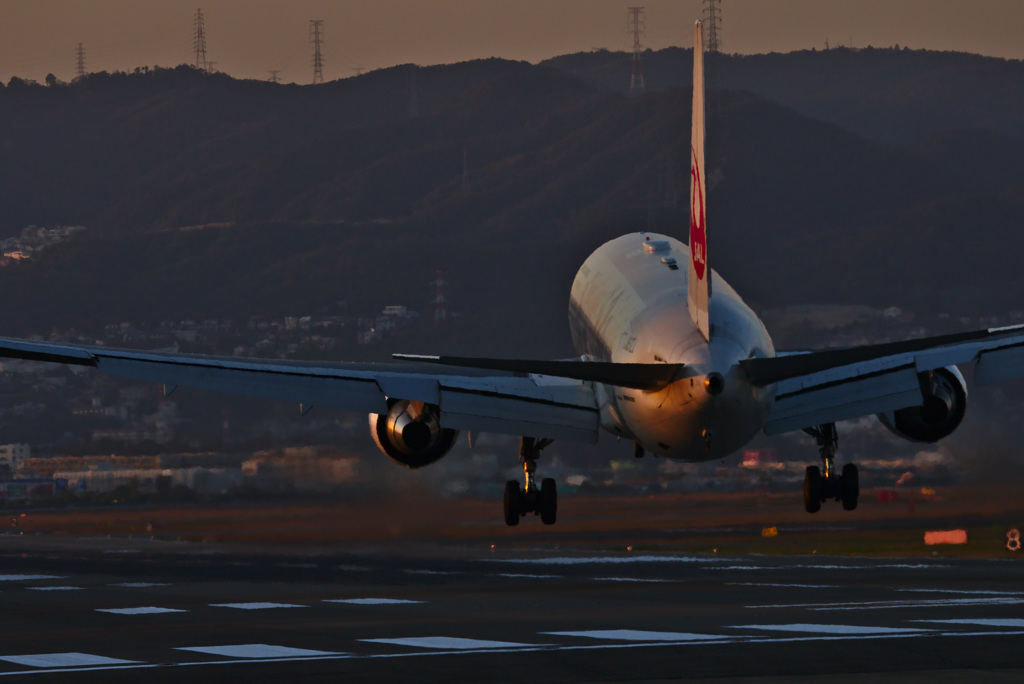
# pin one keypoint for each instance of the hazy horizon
(248, 38)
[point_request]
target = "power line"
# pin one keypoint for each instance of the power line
(316, 30)
(638, 27)
(200, 42)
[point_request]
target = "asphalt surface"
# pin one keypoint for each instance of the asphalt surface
(99, 610)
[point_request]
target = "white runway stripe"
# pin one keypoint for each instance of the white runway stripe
(449, 643)
(258, 651)
(879, 605)
(23, 578)
(771, 584)
(257, 605)
(525, 575)
(830, 629)
(982, 622)
(371, 601)
(61, 588)
(627, 579)
(64, 660)
(141, 585)
(977, 592)
(637, 635)
(141, 610)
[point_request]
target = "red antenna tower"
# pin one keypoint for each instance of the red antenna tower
(714, 22)
(200, 41)
(316, 35)
(638, 27)
(80, 62)
(440, 301)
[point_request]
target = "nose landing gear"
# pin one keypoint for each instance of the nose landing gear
(824, 483)
(541, 501)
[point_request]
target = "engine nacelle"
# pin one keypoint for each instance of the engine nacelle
(945, 402)
(411, 433)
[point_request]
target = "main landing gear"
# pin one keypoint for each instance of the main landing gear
(543, 501)
(820, 487)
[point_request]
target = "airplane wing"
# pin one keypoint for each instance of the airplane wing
(821, 387)
(470, 399)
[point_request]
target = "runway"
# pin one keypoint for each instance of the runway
(112, 610)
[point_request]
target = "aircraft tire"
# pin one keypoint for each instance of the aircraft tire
(849, 486)
(812, 489)
(512, 498)
(548, 501)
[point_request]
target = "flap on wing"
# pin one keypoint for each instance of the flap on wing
(797, 406)
(643, 376)
(265, 381)
(998, 365)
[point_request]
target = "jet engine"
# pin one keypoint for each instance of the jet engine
(945, 402)
(411, 433)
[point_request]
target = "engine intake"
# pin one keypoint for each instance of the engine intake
(411, 433)
(945, 403)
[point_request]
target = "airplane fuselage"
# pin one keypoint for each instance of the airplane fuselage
(629, 305)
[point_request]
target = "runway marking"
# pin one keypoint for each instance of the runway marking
(770, 584)
(585, 560)
(258, 651)
(450, 643)
(431, 572)
(141, 610)
(982, 622)
(525, 575)
(23, 578)
(65, 660)
(257, 605)
(627, 579)
(831, 629)
(639, 635)
(534, 648)
(881, 605)
(55, 588)
(372, 601)
(812, 566)
(140, 585)
(979, 592)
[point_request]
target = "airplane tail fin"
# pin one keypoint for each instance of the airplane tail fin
(700, 272)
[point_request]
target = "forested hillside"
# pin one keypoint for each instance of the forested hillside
(205, 196)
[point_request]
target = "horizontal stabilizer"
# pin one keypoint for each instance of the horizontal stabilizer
(642, 376)
(963, 347)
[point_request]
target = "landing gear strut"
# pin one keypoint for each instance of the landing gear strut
(824, 483)
(542, 501)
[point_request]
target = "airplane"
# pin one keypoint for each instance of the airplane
(670, 357)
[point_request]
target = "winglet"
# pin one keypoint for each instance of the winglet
(700, 274)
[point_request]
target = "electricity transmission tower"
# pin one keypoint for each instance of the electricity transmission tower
(713, 12)
(80, 62)
(316, 27)
(200, 42)
(637, 26)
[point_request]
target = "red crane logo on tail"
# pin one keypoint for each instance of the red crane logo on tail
(698, 237)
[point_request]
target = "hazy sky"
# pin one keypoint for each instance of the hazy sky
(247, 38)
